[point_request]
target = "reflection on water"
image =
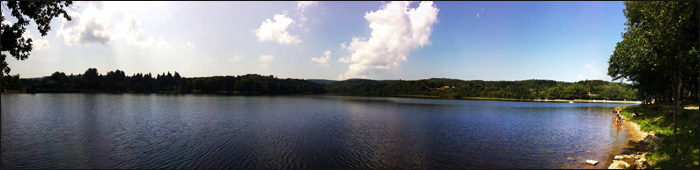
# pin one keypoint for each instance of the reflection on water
(229, 132)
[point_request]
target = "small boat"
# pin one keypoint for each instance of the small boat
(571, 101)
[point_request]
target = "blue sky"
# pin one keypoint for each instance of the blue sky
(563, 41)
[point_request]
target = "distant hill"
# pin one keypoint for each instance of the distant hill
(255, 84)
(321, 81)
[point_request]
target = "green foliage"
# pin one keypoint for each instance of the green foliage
(659, 49)
(41, 12)
(117, 82)
(659, 52)
(659, 120)
(253, 84)
(526, 89)
(10, 82)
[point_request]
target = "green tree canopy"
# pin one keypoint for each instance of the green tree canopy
(659, 50)
(41, 12)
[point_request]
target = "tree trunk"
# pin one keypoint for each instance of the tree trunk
(677, 101)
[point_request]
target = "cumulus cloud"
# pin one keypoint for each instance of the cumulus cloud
(304, 4)
(276, 31)
(130, 30)
(322, 61)
(41, 44)
(189, 45)
(301, 5)
(235, 58)
(265, 59)
(91, 26)
(37, 43)
(396, 30)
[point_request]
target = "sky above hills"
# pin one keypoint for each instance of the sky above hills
(563, 41)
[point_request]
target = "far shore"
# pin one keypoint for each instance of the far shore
(411, 96)
(528, 100)
(588, 101)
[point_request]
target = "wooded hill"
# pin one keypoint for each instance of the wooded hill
(254, 84)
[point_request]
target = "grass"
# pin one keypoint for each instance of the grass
(659, 119)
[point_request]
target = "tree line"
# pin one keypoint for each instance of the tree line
(659, 50)
(118, 82)
(455, 88)
(659, 53)
(252, 84)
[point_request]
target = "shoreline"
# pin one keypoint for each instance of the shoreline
(401, 96)
(587, 101)
(520, 100)
(639, 144)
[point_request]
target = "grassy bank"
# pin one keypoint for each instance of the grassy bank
(659, 120)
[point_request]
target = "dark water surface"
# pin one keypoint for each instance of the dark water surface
(209, 131)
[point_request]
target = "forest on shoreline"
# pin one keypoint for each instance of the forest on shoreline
(254, 84)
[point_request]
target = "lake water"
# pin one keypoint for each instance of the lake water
(317, 131)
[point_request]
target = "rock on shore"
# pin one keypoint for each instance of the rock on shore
(642, 144)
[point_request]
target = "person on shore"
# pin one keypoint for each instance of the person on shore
(622, 117)
(636, 113)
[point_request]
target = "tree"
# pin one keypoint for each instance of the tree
(41, 12)
(659, 50)
(92, 78)
(116, 81)
(11, 83)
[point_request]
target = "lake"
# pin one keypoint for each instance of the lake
(312, 131)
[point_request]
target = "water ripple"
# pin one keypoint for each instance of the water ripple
(330, 132)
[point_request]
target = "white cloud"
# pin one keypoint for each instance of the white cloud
(304, 4)
(163, 43)
(234, 58)
(344, 59)
(189, 45)
(276, 31)
(396, 30)
(37, 43)
(40, 44)
(301, 5)
(478, 14)
(323, 61)
(89, 4)
(91, 26)
(266, 58)
(130, 30)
